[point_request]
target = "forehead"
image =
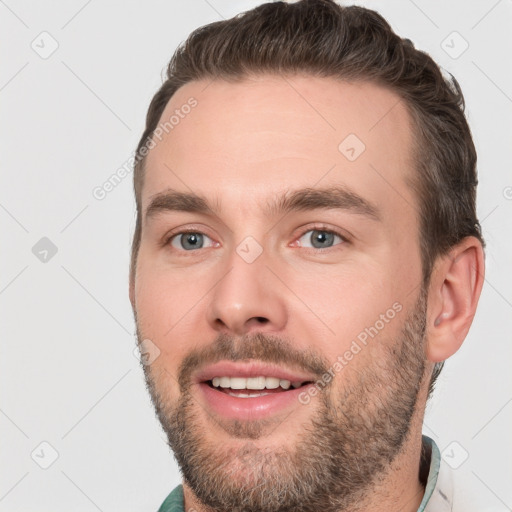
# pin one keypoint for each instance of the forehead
(241, 142)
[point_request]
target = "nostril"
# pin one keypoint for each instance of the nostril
(261, 319)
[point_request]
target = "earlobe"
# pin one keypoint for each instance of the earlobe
(454, 291)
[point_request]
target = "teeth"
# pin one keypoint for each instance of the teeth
(271, 383)
(253, 383)
(238, 383)
(246, 395)
(285, 384)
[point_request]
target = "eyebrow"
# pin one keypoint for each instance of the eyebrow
(304, 199)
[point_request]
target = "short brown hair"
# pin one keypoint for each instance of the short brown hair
(323, 39)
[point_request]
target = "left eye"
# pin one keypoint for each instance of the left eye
(190, 241)
(319, 239)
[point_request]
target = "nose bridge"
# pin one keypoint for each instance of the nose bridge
(244, 299)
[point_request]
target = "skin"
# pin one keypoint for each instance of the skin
(241, 146)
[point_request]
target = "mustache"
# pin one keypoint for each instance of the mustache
(262, 347)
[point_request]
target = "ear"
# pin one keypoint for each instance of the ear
(454, 290)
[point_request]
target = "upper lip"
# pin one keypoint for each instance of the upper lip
(250, 369)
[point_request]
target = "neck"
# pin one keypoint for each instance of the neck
(400, 488)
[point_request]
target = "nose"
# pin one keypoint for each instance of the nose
(247, 298)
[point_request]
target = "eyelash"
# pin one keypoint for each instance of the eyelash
(321, 228)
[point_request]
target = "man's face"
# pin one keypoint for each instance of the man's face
(269, 282)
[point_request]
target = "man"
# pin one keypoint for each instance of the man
(306, 255)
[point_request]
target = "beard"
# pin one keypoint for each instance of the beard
(355, 431)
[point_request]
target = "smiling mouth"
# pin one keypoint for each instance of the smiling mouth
(252, 387)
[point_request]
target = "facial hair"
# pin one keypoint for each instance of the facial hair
(355, 432)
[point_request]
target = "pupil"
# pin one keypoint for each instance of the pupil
(322, 237)
(191, 240)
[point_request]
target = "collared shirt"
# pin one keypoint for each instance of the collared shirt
(438, 495)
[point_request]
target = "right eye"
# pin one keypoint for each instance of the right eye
(190, 240)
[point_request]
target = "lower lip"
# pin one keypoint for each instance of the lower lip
(255, 408)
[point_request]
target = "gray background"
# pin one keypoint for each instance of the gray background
(69, 120)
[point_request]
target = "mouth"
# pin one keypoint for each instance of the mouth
(253, 387)
(250, 391)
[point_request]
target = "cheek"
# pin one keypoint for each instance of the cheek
(166, 312)
(162, 295)
(349, 291)
(351, 306)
